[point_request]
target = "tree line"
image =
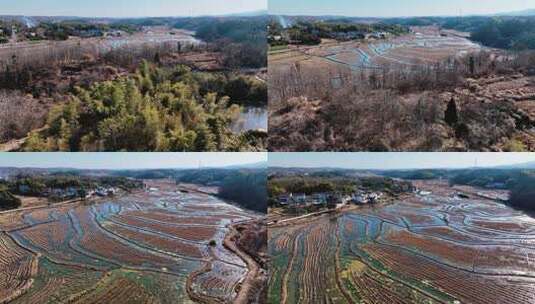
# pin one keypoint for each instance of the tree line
(311, 33)
(523, 192)
(505, 32)
(518, 181)
(8, 200)
(246, 187)
(242, 40)
(339, 182)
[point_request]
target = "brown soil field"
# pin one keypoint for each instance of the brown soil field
(126, 249)
(431, 248)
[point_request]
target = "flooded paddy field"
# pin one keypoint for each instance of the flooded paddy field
(424, 46)
(159, 245)
(454, 245)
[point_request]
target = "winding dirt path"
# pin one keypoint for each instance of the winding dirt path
(247, 288)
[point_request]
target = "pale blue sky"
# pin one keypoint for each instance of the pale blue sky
(128, 160)
(393, 8)
(397, 160)
(128, 8)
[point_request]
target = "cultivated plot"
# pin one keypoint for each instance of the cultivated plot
(443, 245)
(158, 245)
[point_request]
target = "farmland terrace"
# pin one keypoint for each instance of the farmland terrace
(432, 248)
(423, 46)
(160, 245)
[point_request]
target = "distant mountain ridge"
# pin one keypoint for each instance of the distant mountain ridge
(33, 19)
(528, 165)
(7, 170)
(523, 13)
(249, 14)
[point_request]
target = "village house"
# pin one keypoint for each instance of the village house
(377, 35)
(347, 35)
(359, 199)
(88, 33)
(324, 198)
(275, 38)
(318, 199)
(421, 192)
(293, 199)
(115, 33)
(103, 191)
(284, 199)
(362, 197)
(61, 193)
(299, 198)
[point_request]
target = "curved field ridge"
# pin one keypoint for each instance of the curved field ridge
(438, 248)
(424, 46)
(142, 247)
(18, 268)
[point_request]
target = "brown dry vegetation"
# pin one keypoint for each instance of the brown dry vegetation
(19, 114)
(323, 106)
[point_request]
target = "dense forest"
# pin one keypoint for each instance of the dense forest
(62, 30)
(311, 33)
(523, 192)
(487, 177)
(517, 33)
(241, 40)
(416, 174)
(483, 178)
(6, 30)
(310, 185)
(519, 181)
(341, 182)
(80, 28)
(246, 29)
(246, 187)
(156, 109)
(7, 199)
(37, 185)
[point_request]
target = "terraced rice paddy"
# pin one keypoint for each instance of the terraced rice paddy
(144, 247)
(424, 47)
(439, 248)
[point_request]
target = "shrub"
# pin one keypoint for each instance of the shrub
(19, 114)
